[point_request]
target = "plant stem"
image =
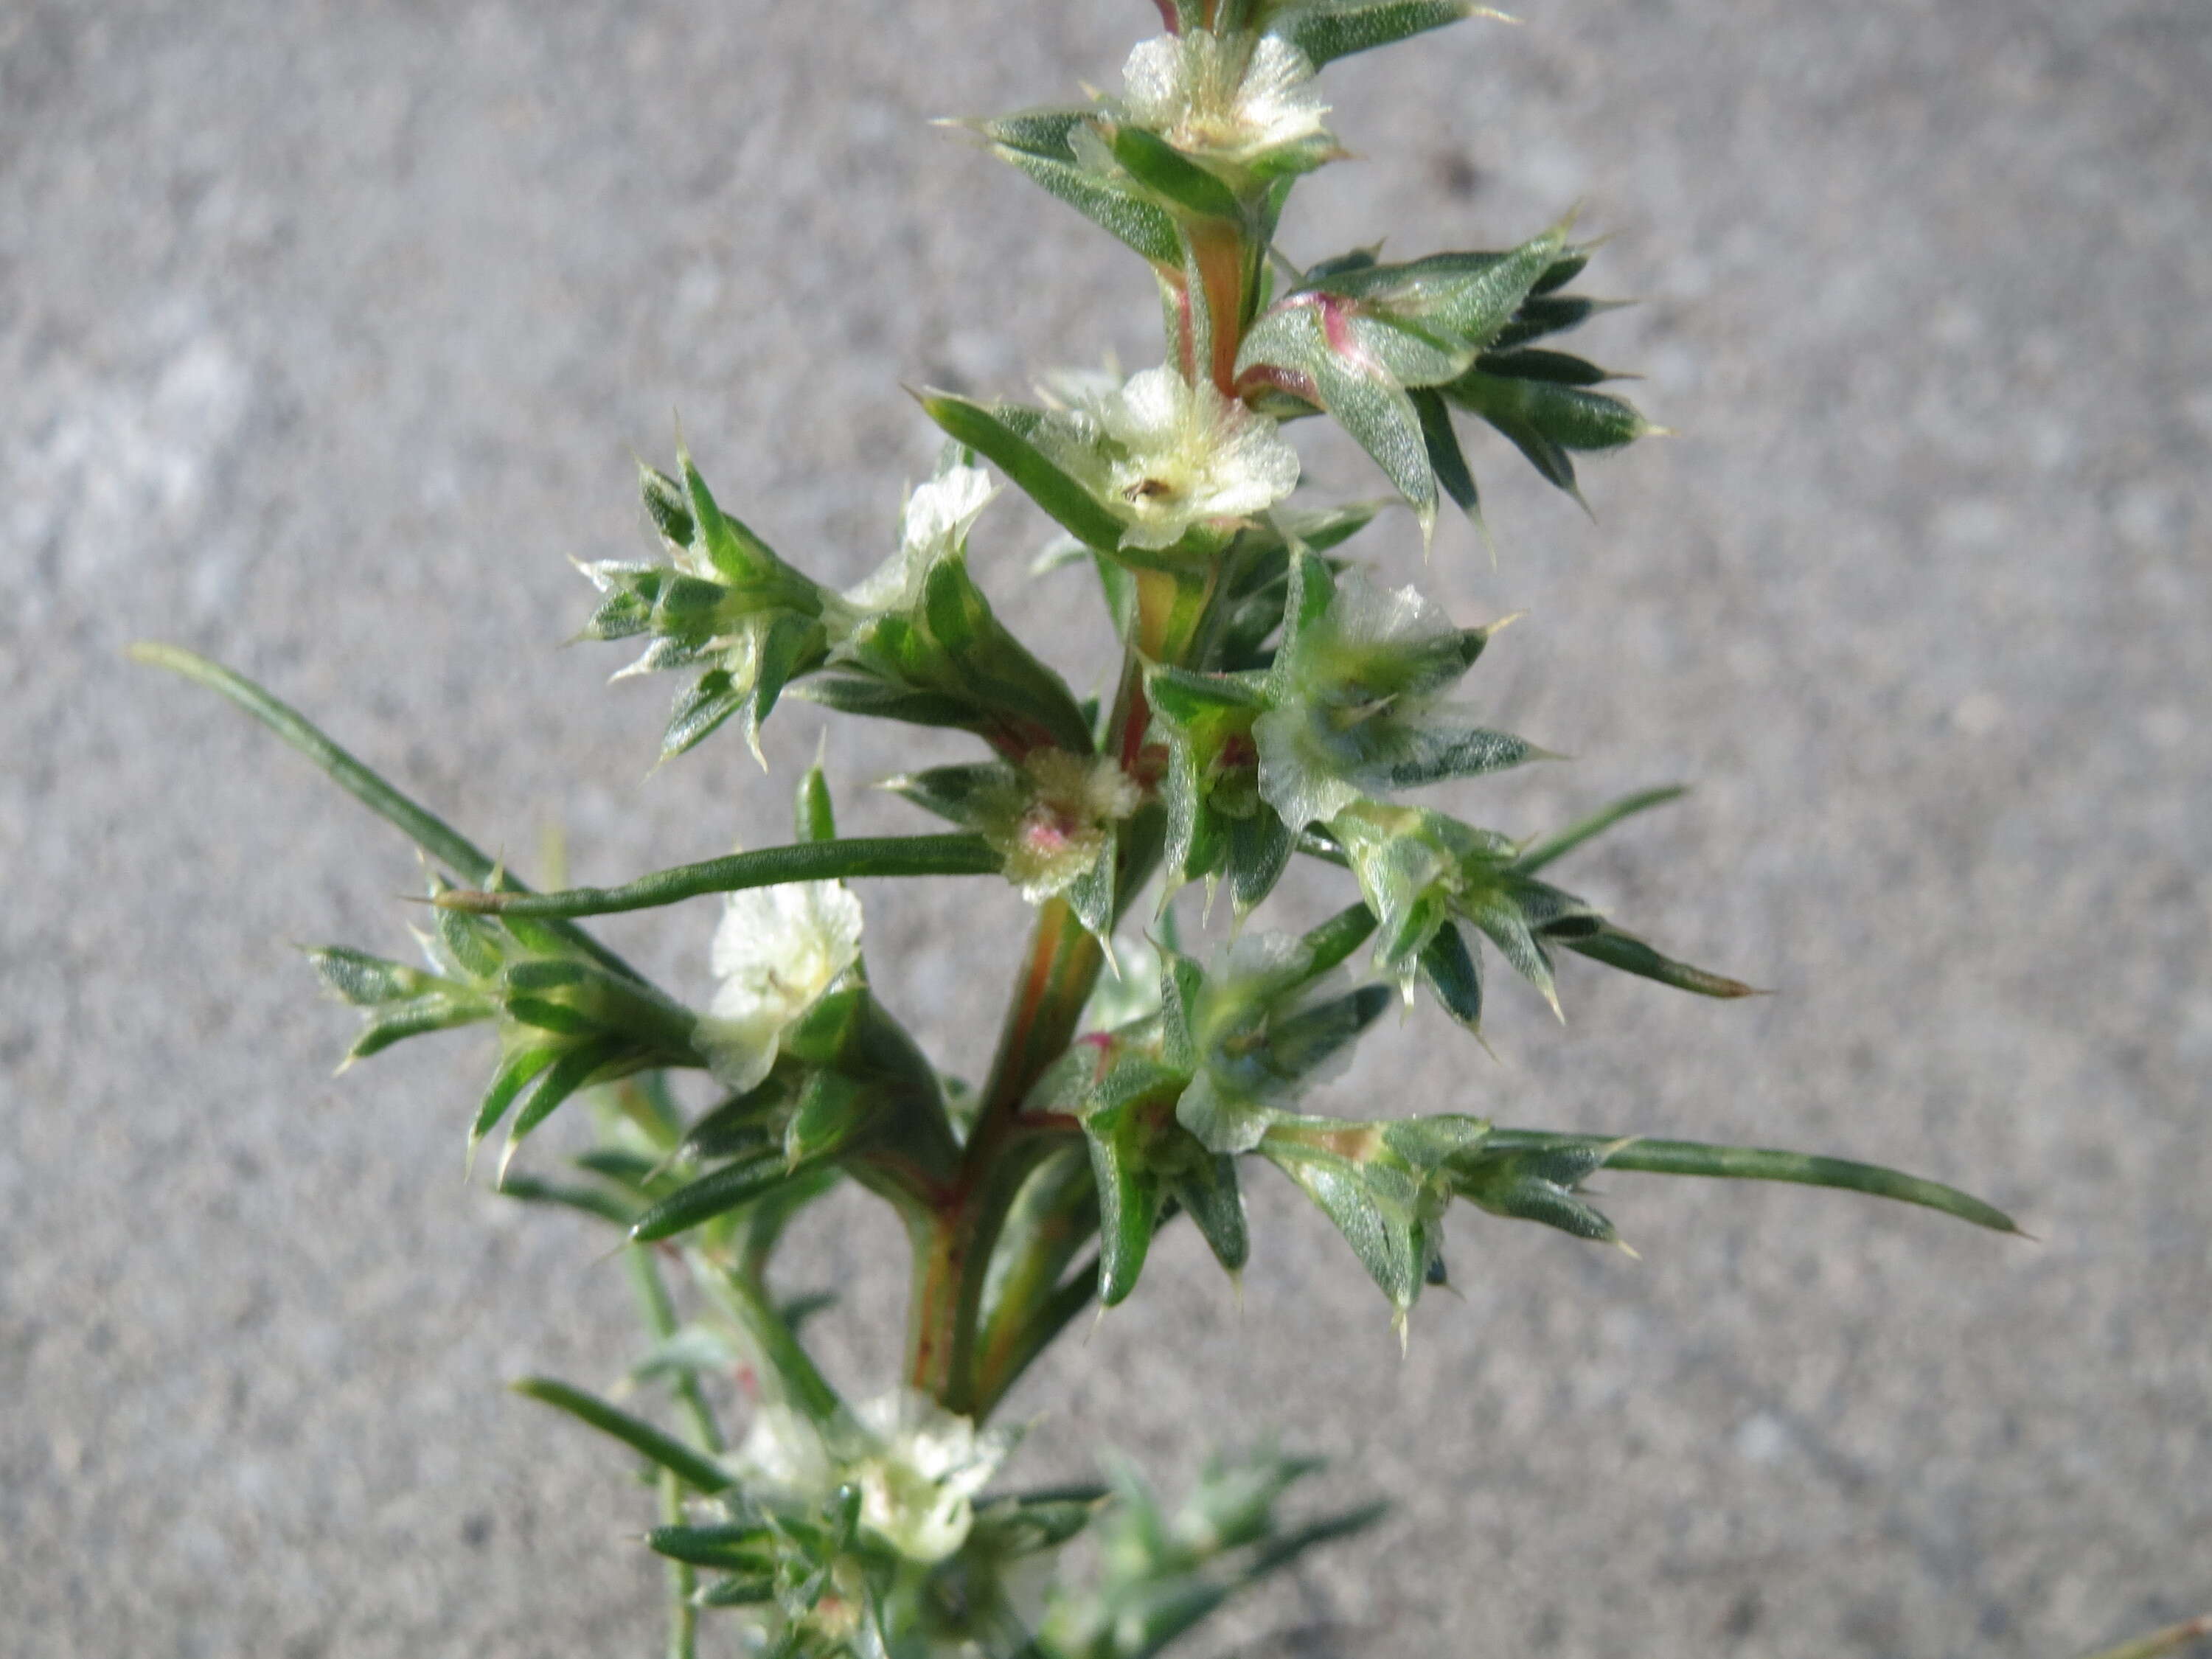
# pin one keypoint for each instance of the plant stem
(682, 1578)
(806, 860)
(659, 1312)
(952, 1248)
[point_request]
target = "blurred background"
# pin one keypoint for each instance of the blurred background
(328, 333)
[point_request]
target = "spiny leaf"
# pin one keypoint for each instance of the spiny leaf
(595, 1201)
(426, 830)
(711, 1194)
(584, 1063)
(1557, 846)
(691, 1467)
(1609, 945)
(1337, 28)
(1033, 472)
(515, 1073)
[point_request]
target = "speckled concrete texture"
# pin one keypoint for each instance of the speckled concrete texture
(326, 333)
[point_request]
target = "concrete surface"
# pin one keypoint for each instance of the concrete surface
(326, 332)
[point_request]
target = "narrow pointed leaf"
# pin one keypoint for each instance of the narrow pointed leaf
(1215, 1203)
(1330, 31)
(513, 1075)
(710, 1195)
(425, 829)
(655, 1445)
(395, 1022)
(1450, 969)
(1033, 472)
(1631, 955)
(1446, 458)
(574, 1068)
(1159, 165)
(594, 1201)
(1557, 846)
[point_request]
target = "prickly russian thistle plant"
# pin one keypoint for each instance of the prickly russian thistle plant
(1274, 703)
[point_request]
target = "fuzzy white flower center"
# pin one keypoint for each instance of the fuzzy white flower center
(777, 950)
(938, 515)
(1227, 98)
(1170, 454)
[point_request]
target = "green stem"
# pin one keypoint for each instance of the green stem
(682, 1577)
(658, 1311)
(820, 860)
(420, 825)
(1694, 1157)
(746, 1300)
(1002, 1365)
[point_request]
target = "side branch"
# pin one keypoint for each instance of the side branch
(1692, 1158)
(447, 845)
(818, 860)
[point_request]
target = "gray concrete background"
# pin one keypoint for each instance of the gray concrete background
(326, 332)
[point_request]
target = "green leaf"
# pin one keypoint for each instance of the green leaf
(395, 1022)
(1036, 474)
(1381, 1235)
(700, 711)
(813, 818)
(1568, 416)
(1502, 923)
(739, 556)
(594, 1201)
(667, 505)
(1446, 458)
(1537, 1183)
(1326, 30)
(875, 699)
(973, 795)
(1040, 143)
(1457, 302)
(1544, 852)
(1159, 165)
(587, 1063)
(834, 861)
(1609, 945)
(832, 1112)
(655, 1445)
(1310, 338)
(1556, 367)
(515, 1073)
(426, 830)
(1557, 313)
(952, 645)
(1259, 849)
(368, 982)
(747, 1546)
(1026, 1523)
(1127, 1121)
(1209, 1194)
(1454, 975)
(716, 1194)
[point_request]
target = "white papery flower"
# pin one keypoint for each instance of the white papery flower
(917, 1493)
(777, 950)
(935, 521)
(1163, 454)
(1228, 99)
(918, 1466)
(1061, 829)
